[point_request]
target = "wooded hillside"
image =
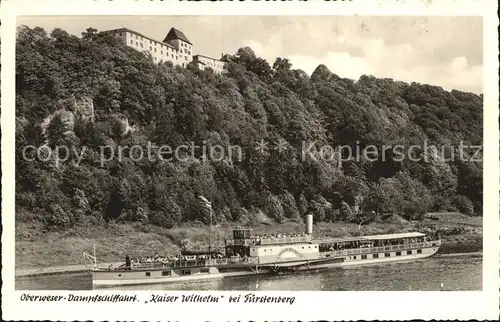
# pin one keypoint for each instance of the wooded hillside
(89, 92)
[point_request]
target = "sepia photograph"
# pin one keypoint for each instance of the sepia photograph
(252, 153)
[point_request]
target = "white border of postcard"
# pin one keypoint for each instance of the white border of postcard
(308, 305)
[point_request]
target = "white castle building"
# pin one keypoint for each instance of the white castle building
(175, 48)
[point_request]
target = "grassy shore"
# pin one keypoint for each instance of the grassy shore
(36, 248)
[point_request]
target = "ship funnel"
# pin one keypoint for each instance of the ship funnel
(309, 224)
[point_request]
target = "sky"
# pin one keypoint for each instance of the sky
(436, 50)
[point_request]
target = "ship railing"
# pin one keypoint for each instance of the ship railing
(380, 249)
(201, 262)
(238, 260)
(268, 241)
(284, 240)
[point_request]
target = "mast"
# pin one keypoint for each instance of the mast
(208, 204)
(210, 231)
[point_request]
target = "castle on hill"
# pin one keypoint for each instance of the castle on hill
(175, 48)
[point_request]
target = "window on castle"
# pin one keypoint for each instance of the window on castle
(131, 42)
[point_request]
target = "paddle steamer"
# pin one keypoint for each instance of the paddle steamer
(246, 254)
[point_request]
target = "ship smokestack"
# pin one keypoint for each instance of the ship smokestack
(309, 224)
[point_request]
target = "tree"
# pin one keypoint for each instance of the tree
(56, 131)
(245, 55)
(167, 215)
(289, 206)
(273, 208)
(345, 211)
(464, 205)
(303, 205)
(282, 64)
(321, 73)
(401, 195)
(90, 34)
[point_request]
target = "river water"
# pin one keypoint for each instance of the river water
(456, 272)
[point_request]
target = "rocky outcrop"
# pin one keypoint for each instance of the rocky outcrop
(69, 111)
(67, 118)
(125, 127)
(84, 109)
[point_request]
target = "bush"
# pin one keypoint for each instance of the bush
(464, 205)
(161, 219)
(57, 218)
(345, 211)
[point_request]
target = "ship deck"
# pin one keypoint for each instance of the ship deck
(220, 263)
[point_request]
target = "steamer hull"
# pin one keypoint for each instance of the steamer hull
(145, 276)
(349, 261)
(116, 278)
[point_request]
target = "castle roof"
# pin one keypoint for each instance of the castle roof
(196, 57)
(138, 34)
(174, 34)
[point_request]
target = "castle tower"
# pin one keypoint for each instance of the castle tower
(181, 43)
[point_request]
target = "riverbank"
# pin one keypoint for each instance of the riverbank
(38, 251)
